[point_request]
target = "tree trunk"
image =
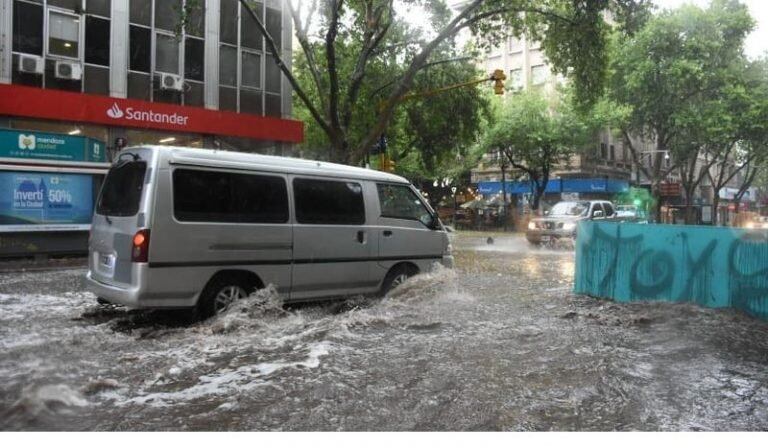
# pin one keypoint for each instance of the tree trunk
(656, 195)
(715, 205)
(689, 215)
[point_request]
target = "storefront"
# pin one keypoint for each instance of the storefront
(48, 185)
(125, 73)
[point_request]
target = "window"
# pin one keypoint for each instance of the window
(63, 34)
(166, 54)
(250, 101)
(251, 70)
(121, 192)
(603, 151)
(194, 54)
(328, 202)
(613, 152)
(228, 66)
(140, 47)
(96, 80)
(400, 202)
(274, 27)
(273, 105)
(96, 41)
(516, 78)
(272, 75)
(168, 14)
(68, 4)
(250, 36)
(27, 28)
(539, 74)
(597, 208)
(217, 196)
(139, 86)
(608, 209)
(141, 12)
(196, 21)
(99, 7)
(228, 21)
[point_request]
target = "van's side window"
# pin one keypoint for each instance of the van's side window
(217, 196)
(328, 202)
(399, 201)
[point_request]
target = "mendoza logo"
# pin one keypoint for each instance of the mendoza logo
(148, 116)
(27, 141)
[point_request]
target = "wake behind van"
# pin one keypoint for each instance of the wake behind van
(186, 227)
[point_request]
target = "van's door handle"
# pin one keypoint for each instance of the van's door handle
(361, 236)
(387, 233)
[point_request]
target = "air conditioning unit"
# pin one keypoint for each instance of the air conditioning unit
(170, 81)
(69, 70)
(29, 63)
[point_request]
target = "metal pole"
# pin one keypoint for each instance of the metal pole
(503, 191)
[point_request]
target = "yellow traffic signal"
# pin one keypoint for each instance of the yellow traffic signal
(498, 77)
(386, 164)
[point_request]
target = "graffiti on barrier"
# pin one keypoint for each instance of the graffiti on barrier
(716, 267)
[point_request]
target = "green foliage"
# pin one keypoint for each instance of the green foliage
(536, 133)
(430, 136)
(679, 59)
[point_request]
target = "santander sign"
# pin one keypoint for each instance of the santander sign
(147, 116)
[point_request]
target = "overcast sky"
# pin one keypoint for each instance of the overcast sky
(757, 42)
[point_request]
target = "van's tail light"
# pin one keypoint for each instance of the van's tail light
(140, 251)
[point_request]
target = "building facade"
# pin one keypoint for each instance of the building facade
(82, 74)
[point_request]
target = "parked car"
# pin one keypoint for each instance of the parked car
(631, 213)
(193, 228)
(561, 221)
(759, 222)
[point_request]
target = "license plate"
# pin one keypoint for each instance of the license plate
(545, 238)
(107, 263)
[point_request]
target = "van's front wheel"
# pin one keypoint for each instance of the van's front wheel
(396, 277)
(219, 295)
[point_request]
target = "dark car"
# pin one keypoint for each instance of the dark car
(561, 221)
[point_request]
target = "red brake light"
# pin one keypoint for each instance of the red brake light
(140, 251)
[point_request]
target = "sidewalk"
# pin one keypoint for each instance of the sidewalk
(29, 264)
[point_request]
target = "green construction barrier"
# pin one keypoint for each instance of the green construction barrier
(710, 266)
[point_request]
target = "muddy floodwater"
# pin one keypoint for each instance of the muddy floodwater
(500, 343)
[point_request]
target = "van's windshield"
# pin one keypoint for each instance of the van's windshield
(121, 192)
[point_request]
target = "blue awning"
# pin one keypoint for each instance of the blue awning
(597, 185)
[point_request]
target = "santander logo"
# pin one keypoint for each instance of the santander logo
(148, 116)
(114, 111)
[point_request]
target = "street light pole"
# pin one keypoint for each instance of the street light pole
(455, 207)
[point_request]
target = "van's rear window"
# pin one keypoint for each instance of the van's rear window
(121, 192)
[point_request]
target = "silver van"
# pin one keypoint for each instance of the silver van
(186, 227)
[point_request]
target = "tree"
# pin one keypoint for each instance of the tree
(664, 75)
(536, 134)
(572, 34)
(431, 134)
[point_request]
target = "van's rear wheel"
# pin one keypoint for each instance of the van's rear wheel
(219, 294)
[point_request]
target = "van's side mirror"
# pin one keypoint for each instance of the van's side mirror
(598, 214)
(434, 224)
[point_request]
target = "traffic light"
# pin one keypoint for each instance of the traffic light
(386, 164)
(498, 78)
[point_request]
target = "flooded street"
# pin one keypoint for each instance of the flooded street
(498, 344)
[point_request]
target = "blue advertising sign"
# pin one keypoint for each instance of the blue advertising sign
(31, 201)
(45, 146)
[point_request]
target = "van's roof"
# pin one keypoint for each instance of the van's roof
(222, 158)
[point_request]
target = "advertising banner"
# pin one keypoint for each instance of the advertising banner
(32, 201)
(45, 146)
